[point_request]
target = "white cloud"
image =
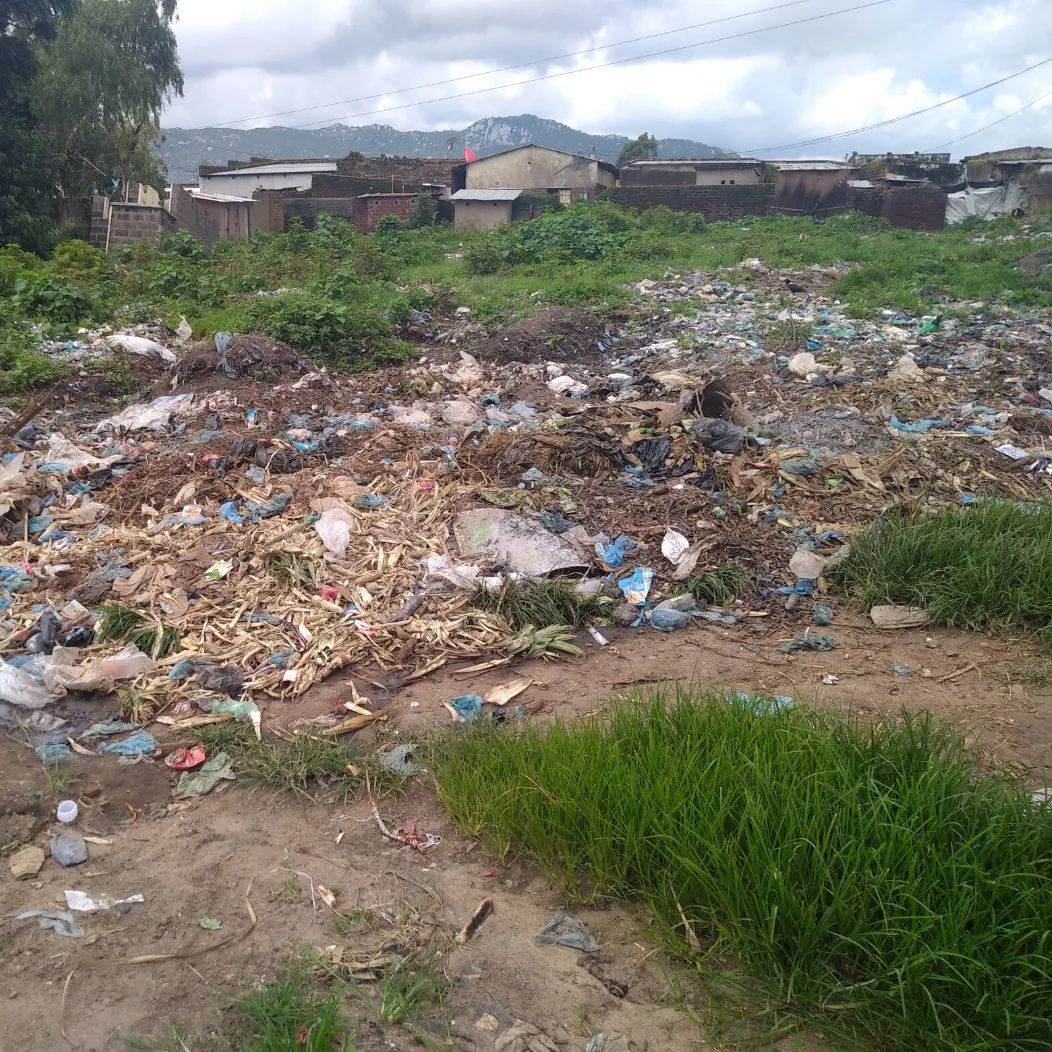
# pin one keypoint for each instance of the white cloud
(243, 59)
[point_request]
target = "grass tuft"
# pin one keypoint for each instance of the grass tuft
(988, 565)
(121, 622)
(538, 604)
(720, 586)
(407, 989)
(288, 1014)
(868, 879)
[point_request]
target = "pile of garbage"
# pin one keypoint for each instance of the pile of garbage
(219, 548)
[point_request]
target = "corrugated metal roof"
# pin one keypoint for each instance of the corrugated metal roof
(815, 166)
(304, 168)
(494, 194)
(700, 162)
(201, 195)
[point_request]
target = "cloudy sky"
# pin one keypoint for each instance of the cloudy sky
(249, 58)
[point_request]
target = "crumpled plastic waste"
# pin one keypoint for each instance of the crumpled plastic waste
(141, 743)
(637, 587)
(185, 758)
(141, 346)
(762, 706)
(612, 553)
(400, 759)
(68, 848)
(719, 436)
(60, 922)
(147, 416)
(107, 729)
(19, 688)
(813, 641)
(564, 930)
(821, 614)
(335, 526)
(917, 427)
(206, 778)
(459, 575)
(243, 711)
(468, 707)
(81, 902)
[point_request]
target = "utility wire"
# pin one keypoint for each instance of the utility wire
(1000, 120)
(895, 120)
(603, 65)
(517, 65)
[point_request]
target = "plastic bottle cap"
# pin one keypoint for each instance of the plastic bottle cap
(67, 811)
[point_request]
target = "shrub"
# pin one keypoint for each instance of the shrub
(21, 366)
(318, 325)
(51, 299)
(870, 879)
(424, 213)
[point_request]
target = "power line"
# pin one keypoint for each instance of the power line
(517, 65)
(602, 65)
(1000, 120)
(895, 120)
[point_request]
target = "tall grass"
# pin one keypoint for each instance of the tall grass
(866, 878)
(985, 565)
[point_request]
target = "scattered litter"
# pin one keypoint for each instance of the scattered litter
(399, 759)
(59, 921)
(513, 543)
(762, 706)
(81, 902)
(185, 758)
(67, 811)
(501, 695)
(210, 924)
(813, 641)
(206, 778)
(821, 614)
(141, 743)
(467, 708)
(637, 587)
(477, 919)
(564, 930)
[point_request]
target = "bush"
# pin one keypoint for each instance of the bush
(872, 880)
(424, 213)
(318, 325)
(21, 366)
(51, 299)
(79, 261)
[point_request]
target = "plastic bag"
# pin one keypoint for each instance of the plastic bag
(335, 527)
(19, 688)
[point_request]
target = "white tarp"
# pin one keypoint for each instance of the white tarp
(986, 203)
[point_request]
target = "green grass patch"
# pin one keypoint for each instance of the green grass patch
(985, 565)
(868, 879)
(288, 1014)
(539, 604)
(720, 586)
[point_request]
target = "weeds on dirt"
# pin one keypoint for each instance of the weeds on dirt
(985, 565)
(538, 603)
(305, 764)
(720, 586)
(59, 779)
(289, 1014)
(870, 879)
(407, 989)
(789, 336)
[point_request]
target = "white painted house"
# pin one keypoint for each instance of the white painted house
(286, 175)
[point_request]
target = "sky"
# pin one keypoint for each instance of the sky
(253, 58)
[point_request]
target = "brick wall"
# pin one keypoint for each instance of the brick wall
(127, 224)
(414, 170)
(372, 208)
(919, 207)
(916, 207)
(713, 202)
(307, 209)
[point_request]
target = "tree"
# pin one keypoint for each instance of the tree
(100, 88)
(27, 192)
(645, 148)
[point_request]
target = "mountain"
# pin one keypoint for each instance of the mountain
(184, 149)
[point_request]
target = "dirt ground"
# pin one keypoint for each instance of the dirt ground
(214, 857)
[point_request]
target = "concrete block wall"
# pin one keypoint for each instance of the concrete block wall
(127, 223)
(713, 202)
(372, 209)
(307, 209)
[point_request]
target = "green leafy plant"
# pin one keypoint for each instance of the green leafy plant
(51, 299)
(720, 586)
(538, 603)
